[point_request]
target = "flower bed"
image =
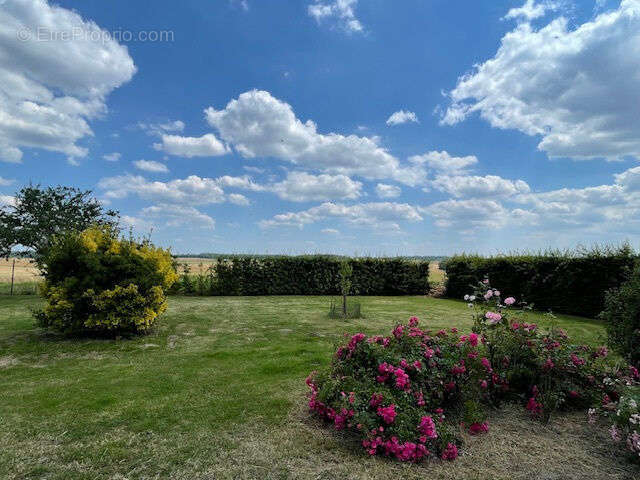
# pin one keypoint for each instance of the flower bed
(410, 394)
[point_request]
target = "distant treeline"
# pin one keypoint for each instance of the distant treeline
(571, 282)
(214, 256)
(306, 275)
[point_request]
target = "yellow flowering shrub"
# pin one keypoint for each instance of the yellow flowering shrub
(97, 282)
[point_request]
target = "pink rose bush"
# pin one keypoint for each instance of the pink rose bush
(410, 394)
(623, 415)
(411, 390)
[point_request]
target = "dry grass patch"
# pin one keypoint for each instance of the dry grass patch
(515, 448)
(25, 271)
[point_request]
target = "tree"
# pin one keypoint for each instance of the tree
(40, 213)
(346, 270)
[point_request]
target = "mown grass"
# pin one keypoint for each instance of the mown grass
(19, 288)
(217, 391)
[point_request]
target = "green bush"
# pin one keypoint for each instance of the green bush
(310, 275)
(566, 282)
(98, 283)
(622, 318)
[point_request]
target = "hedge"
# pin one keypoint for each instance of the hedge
(565, 282)
(308, 275)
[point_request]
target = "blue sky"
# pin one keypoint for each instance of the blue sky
(347, 126)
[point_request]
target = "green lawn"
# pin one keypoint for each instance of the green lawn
(218, 392)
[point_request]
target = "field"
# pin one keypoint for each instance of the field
(218, 392)
(26, 276)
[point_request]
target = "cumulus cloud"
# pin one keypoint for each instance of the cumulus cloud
(205, 146)
(159, 129)
(340, 11)
(50, 90)
(575, 212)
(478, 186)
(531, 10)
(384, 215)
(243, 4)
(258, 125)
(7, 201)
(178, 216)
(304, 187)
(192, 190)
(576, 88)
(467, 215)
(151, 166)
(112, 157)
(238, 199)
(387, 191)
(137, 223)
(402, 116)
(244, 182)
(5, 182)
(443, 162)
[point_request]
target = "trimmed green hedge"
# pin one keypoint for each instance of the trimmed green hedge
(307, 275)
(569, 282)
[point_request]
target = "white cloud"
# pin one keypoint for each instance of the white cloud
(7, 201)
(402, 116)
(151, 166)
(205, 146)
(467, 215)
(251, 169)
(192, 190)
(5, 182)
(136, 223)
(259, 125)
(575, 88)
(387, 191)
(531, 10)
(629, 180)
(112, 157)
(243, 4)
(245, 183)
(477, 186)
(444, 162)
(603, 211)
(238, 199)
(51, 87)
(10, 154)
(384, 215)
(159, 129)
(330, 231)
(179, 216)
(341, 11)
(304, 187)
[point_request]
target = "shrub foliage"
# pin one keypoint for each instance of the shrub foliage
(308, 275)
(624, 417)
(622, 317)
(549, 280)
(407, 395)
(97, 283)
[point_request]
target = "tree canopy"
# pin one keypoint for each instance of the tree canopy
(40, 213)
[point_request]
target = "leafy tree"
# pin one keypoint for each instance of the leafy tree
(40, 213)
(346, 270)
